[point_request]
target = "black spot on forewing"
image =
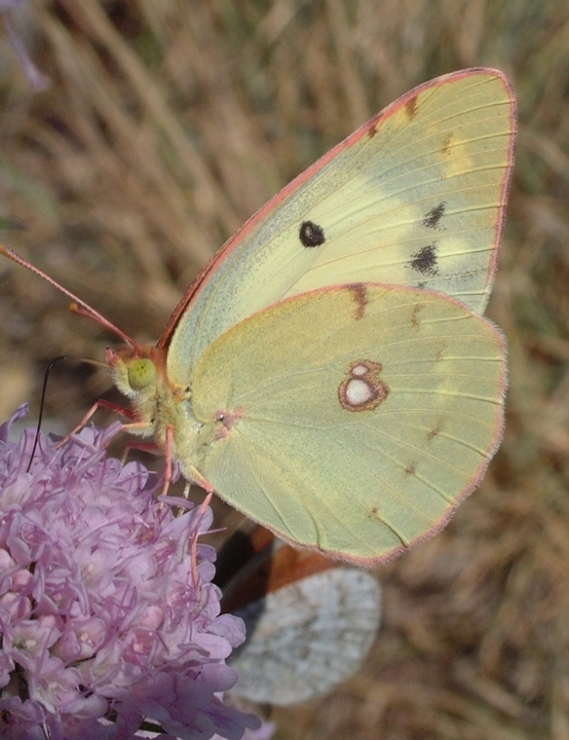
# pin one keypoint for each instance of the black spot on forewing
(425, 260)
(432, 218)
(311, 235)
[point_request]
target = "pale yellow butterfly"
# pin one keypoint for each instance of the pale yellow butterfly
(329, 373)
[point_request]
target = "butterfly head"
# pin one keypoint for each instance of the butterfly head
(137, 370)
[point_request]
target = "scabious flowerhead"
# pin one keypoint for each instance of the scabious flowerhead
(104, 630)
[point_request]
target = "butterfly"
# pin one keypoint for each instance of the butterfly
(329, 373)
(310, 622)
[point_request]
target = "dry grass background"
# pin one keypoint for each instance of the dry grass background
(168, 122)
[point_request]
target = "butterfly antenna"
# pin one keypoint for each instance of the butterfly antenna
(43, 395)
(77, 306)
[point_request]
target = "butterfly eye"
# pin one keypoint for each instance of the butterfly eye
(141, 374)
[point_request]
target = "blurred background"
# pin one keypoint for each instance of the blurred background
(159, 128)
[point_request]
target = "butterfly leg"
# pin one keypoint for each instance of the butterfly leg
(194, 548)
(101, 403)
(150, 447)
(198, 478)
(169, 454)
(141, 427)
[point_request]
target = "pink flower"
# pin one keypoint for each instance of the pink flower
(103, 629)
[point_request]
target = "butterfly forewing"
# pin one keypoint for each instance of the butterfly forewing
(415, 197)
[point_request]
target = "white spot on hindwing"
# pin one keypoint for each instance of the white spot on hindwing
(359, 370)
(362, 389)
(358, 392)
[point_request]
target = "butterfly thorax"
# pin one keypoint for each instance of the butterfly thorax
(159, 405)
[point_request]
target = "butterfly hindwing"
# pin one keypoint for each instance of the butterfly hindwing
(306, 637)
(310, 622)
(361, 438)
